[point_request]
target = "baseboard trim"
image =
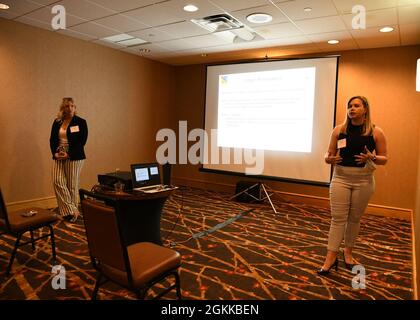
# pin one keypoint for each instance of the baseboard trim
(47, 202)
(373, 209)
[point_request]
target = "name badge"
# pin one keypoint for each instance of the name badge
(341, 143)
(74, 129)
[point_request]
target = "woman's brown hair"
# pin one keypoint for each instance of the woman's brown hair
(368, 126)
(66, 101)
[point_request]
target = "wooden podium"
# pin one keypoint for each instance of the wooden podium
(140, 213)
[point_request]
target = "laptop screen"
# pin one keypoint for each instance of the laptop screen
(145, 174)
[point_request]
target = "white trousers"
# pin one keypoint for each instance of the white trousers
(66, 180)
(350, 191)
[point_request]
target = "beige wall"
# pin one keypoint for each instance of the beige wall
(124, 98)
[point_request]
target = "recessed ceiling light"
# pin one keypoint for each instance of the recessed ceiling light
(204, 54)
(259, 18)
(333, 41)
(4, 6)
(307, 9)
(190, 8)
(386, 29)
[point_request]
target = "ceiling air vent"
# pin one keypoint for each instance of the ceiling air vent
(225, 22)
(218, 22)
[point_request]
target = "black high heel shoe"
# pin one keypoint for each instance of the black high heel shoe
(323, 272)
(349, 266)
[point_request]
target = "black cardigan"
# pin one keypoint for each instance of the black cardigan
(77, 139)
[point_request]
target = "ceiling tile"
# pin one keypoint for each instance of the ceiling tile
(172, 11)
(123, 5)
(154, 49)
(410, 33)
(108, 44)
(34, 22)
(409, 14)
(122, 23)
(374, 18)
(273, 11)
(44, 2)
(280, 30)
(207, 50)
(290, 41)
(44, 15)
(6, 14)
(321, 25)
(342, 46)
(372, 38)
(18, 8)
(324, 37)
(232, 5)
(209, 40)
(246, 45)
(174, 45)
(183, 30)
(94, 30)
(152, 35)
(407, 2)
(346, 41)
(169, 31)
(320, 8)
(153, 16)
(205, 8)
(85, 10)
(345, 6)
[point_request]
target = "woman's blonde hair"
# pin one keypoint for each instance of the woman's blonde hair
(66, 101)
(368, 126)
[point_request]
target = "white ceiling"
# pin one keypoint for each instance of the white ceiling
(172, 38)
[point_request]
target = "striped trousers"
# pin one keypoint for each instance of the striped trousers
(66, 180)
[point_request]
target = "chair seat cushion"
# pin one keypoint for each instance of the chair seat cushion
(147, 261)
(20, 223)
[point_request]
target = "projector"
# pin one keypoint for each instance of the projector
(109, 179)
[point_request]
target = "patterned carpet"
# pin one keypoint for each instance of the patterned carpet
(240, 254)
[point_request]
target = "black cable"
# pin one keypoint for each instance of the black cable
(177, 219)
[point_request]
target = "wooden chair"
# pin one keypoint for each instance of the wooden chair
(19, 222)
(138, 266)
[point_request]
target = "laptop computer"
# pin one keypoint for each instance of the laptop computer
(146, 176)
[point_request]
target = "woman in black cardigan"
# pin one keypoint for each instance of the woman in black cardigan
(67, 140)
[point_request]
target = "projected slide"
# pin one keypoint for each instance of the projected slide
(282, 109)
(268, 110)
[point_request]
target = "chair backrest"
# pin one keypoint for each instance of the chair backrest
(103, 235)
(4, 220)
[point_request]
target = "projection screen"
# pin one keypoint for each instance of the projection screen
(284, 109)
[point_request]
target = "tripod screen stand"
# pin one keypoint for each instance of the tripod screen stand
(262, 193)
